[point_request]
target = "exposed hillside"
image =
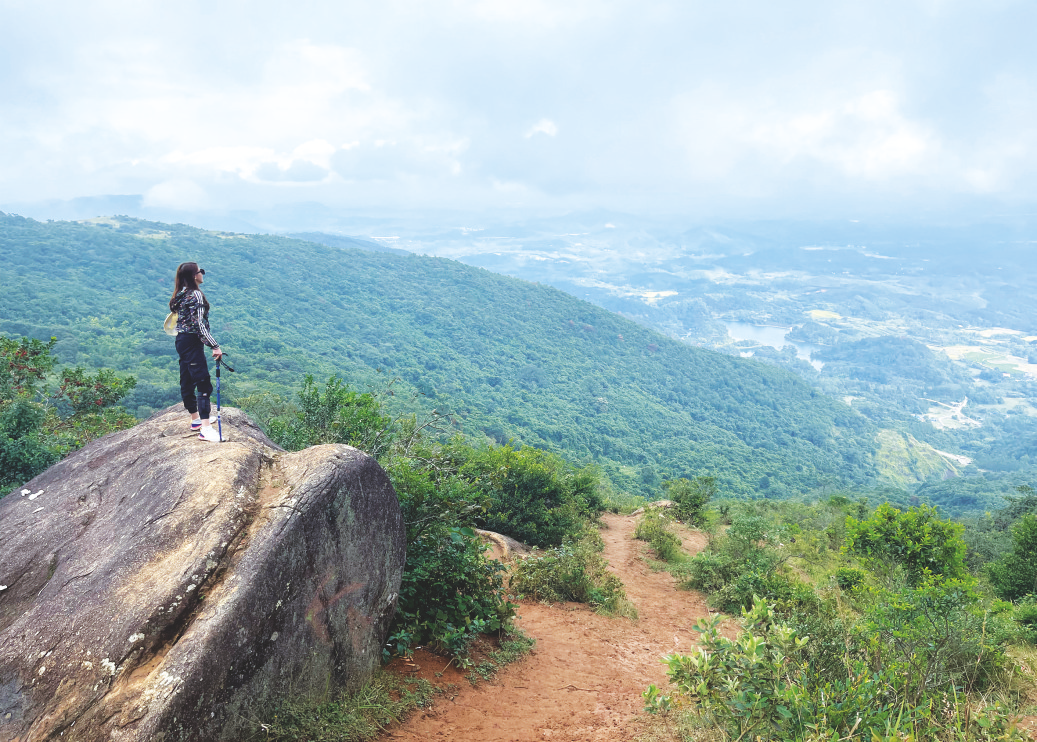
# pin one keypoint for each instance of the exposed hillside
(506, 357)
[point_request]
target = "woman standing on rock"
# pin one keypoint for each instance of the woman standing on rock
(192, 328)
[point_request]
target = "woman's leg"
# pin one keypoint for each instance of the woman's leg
(202, 398)
(195, 384)
(187, 351)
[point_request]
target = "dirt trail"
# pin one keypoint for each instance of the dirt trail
(586, 674)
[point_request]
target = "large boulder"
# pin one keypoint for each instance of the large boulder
(158, 587)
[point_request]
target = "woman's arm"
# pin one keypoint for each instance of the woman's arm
(203, 330)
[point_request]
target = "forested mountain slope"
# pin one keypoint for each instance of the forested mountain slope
(506, 357)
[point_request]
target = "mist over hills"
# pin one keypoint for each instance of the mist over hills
(506, 358)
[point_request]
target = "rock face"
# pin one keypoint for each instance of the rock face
(504, 548)
(159, 587)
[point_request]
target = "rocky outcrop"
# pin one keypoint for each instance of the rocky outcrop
(503, 548)
(158, 587)
(654, 504)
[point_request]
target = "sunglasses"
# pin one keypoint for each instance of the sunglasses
(202, 271)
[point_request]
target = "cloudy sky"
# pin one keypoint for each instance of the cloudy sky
(754, 108)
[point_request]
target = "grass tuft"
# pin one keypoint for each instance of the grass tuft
(656, 528)
(514, 646)
(354, 716)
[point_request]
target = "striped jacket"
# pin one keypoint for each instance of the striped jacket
(192, 315)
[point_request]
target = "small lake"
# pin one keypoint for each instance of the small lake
(774, 337)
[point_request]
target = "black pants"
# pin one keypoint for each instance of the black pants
(195, 384)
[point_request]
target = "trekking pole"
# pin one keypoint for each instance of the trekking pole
(219, 423)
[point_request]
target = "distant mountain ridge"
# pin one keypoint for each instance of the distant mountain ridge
(508, 359)
(336, 240)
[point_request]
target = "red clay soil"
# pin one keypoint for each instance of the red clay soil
(585, 676)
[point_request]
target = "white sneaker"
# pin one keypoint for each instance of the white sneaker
(209, 433)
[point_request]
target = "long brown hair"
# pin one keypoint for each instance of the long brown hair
(185, 274)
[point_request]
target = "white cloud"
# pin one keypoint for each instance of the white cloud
(404, 102)
(543, 126)
(865, 137)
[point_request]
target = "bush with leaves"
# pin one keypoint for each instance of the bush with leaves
(37, 427)
(24, 365)
(743, 562)
(916, 540)
(1025, 616)
(574, 571)
(24, 451)
(933, 637)
(1014, 576)
(451, 590)
(91, 398)
(335, 414)
(850, 578)
(532, 495)
(654, 527)
(450, 593)
(989, 538)
(763, 685)
(690, 497)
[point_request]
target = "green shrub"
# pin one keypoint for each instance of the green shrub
(23, 451)
(917, 541)
(431, 495)
(24, 366)
(654, 527)
(741, 563)
(850, 578)
(37, 427)
(338, 414)
(573, 571)
(531, 495)
(23, 458)
(932, 637)
(690, 497)
(763, 686)
(451, 592)
(1025, 615)
(1015, 574)
(788, 592)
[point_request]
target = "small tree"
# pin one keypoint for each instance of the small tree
(24, 364)
(1015, 575)
(534, 496)
(338, 414)
(918, 540)
(690, 497)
